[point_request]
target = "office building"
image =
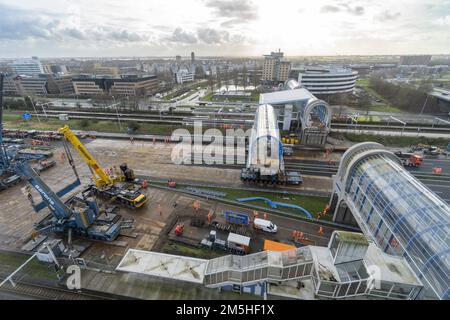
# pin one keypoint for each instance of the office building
(27, 67)
(28, 85)
(125, 85)
(192, 57)
(275, 70)
(98, 69)
(327, 80)
(184, 75)
(55, 69)
(297, 108)
(60, 84)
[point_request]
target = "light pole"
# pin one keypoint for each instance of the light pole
(400, 121)
(43, 110)
(117, 113)
(424, 104)
(35, 112)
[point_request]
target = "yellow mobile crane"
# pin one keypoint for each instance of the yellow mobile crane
(118, 186)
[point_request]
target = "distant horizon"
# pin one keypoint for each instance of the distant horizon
(217, 56)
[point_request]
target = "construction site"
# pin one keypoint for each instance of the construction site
(141, 226)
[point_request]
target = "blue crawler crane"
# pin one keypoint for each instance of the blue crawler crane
(80, 215)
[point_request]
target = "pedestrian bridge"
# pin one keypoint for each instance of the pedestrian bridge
(399, 213)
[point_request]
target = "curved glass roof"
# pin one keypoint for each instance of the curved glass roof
(404, 217)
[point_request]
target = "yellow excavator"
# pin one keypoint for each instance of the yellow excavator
(115, 185)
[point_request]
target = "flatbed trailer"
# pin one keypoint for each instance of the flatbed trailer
(128, 194)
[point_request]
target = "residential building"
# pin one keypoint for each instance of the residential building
(27, 67)
(274, 68)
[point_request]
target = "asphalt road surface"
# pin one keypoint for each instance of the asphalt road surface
(440, 185)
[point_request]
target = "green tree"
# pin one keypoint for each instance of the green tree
(255, 78)
(133, 126)
(84, 123)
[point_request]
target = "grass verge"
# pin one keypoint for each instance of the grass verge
(394, 141)
(11, 261)
(313, 204)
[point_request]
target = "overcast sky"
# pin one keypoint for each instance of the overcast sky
(50, 28)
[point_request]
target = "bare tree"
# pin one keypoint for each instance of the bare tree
(244, 76)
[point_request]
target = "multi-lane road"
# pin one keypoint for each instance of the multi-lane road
(439, 183)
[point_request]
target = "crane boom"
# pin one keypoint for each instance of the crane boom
(99, 175)
(59, 209)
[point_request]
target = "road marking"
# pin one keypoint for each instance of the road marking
(437, 185)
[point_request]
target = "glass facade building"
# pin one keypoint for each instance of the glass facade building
(399, 213)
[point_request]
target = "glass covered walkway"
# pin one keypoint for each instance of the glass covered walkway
(398, 212)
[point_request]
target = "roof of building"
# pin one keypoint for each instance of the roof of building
(121, 78)
(285, 96)
(163, 265)
(239, 239)
(277, 246)
(392, 269)
(352, 237)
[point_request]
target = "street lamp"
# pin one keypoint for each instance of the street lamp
(117, 112)
(32, 103)
(400, 121)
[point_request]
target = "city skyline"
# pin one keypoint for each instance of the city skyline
(223, 28)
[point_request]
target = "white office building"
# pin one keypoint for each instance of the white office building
(184, 75)
(327, 80)
(27, 67)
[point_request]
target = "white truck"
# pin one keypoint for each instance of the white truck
(264, 225)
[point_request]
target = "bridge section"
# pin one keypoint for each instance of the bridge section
(400, 214)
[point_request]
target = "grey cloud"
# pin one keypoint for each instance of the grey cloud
(124, 36)
(213, 36)
(181, 36)
(357, 11)
(343, 7)
(19, 24)
(329, 8)
(387, 16)
(16, 24)
(74, 33)
(235, 10)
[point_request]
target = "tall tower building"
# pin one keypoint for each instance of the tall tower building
(275, 69)
(192, 57)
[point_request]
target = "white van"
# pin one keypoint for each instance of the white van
(264, 225)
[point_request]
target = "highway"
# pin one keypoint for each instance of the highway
(438, 183)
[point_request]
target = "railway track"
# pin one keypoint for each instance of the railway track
(43, 292)
(235, 118)
(328, 170)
